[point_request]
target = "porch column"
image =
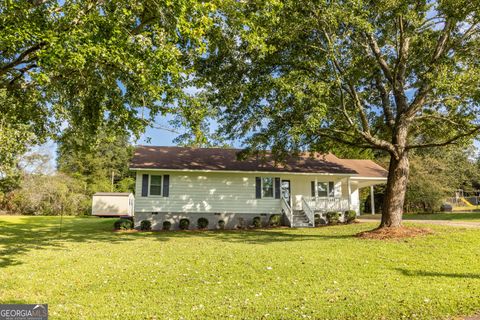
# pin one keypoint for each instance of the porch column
(372, 200)
(316, 189)
(349, 187)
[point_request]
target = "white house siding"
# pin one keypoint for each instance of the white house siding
(220, 196)
(206, 192)
(354, 197)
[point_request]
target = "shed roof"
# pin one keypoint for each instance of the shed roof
(118, 194)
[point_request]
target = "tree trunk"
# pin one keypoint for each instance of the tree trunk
(394, 198)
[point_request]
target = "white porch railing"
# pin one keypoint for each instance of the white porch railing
(308, 212)
(327, 204)
(288, 211)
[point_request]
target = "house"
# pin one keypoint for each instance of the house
(176, 182)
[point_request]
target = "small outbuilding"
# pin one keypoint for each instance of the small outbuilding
(113, 204)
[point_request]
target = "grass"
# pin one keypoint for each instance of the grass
(452, 216)
(466, 208)
(89, 272)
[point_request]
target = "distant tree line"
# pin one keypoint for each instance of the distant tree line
(81, 171)
(435, 176)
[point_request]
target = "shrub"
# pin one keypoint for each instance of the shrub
(333, 217)
(350, 216)
(166, 225)
(318, 220)
(257, 222)
(56, 194)
(275, 220)
(123, 224)
(221, 224)
(145, 225)
(202, 223)
(241, 223)
(184, 224)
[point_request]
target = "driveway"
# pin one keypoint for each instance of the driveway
(464, 224)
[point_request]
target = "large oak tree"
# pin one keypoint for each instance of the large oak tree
(387, 75)
(89, 64)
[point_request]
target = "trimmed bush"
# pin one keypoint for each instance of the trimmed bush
(202, 223)
(275, 220)
(145, 225)
(350, 216)
(257, 222)
(123, 224)
(318, 220)
(241, 223)
(166, 225)
(184, 224)
(221, 224)
(333, 217)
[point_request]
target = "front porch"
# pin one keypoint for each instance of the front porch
(327, 194)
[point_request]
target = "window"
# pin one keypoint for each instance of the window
(322, 189)
(267, 187)
(331, 189)
(155, 185)
(326, 189)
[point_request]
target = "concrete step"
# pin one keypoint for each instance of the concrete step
(302, 225)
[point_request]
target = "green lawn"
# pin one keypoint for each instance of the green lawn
(453, 216)
(90, 272)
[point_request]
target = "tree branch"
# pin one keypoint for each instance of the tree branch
(19, 60)
(387, 108)
(435, 117)
(447, 142)
(425, 88)
(378, 55)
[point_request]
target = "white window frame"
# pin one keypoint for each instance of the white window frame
(150, 184)
(273, 188)
(328, 189)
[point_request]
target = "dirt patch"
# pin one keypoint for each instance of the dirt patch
(126, 231)
(394, 233)
(477, 317)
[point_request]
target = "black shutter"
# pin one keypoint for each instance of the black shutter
(313, 188)
(277, 188)
(166, 185)
(144, 185)
(258, 187)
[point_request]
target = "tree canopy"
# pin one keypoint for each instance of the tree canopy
(84, 65)
(386, 75)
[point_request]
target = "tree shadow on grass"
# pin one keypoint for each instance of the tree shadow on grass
(421, 273)
(259, 236)
(24, 234)
(21, 235)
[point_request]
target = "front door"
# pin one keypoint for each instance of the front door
(286, 191)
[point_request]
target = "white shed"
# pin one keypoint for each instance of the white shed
(113, 204)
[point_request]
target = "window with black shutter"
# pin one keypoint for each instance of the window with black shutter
(166, 185)
(144, 185)
(277, 188)
(258, 187)
(155, 185)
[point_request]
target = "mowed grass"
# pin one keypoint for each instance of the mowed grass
(90, 272)
(452, 216)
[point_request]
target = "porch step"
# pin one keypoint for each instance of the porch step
(300, 220)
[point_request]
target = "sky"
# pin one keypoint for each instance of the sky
(158, 137)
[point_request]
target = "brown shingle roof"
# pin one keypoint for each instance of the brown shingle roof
(182, 158)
